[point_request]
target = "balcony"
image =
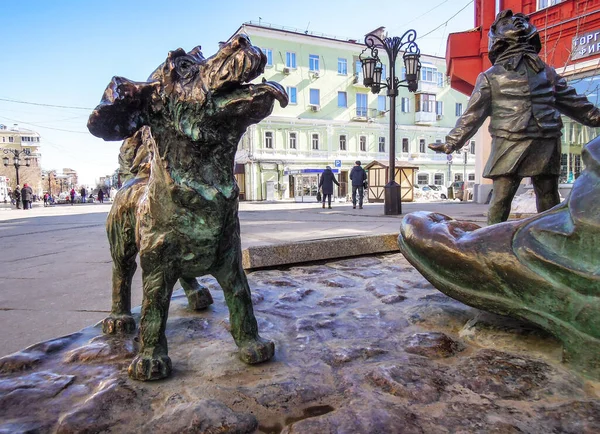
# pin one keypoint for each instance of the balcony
(425, 118)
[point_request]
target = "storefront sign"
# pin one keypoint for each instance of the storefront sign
(586, 45)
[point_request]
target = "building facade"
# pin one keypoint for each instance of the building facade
(332, 119)
(28, 141)
(570, 35)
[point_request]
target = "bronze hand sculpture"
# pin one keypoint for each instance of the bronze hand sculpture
(179, 208)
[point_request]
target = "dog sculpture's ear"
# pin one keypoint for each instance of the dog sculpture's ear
(124, 108)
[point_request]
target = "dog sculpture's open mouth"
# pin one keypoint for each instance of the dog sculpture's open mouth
(271, 87)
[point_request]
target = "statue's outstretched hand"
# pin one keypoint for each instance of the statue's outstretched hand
(441, 147)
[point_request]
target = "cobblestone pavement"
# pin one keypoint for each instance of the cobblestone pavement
(363, 345)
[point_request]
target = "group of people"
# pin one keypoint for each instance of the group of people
(22, 195)
(358, 176)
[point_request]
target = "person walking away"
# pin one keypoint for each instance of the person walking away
(26, 196)
(358, 176)
(72, 193)
(17, 197)
(100, 196)
(46, 195)
(326, 184)
(83, 195)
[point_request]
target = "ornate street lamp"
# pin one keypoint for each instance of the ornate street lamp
(16, 159)
(372, 72)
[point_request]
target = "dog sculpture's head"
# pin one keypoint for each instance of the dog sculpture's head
(202, 99)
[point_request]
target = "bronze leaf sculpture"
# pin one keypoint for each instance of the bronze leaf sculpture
(179, 209)
(544, 269)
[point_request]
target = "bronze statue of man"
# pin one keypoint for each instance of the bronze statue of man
(524, 99)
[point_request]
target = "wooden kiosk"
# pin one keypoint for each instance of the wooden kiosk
(377, 177)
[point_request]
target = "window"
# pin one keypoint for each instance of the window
(342, 99)
(472, 147)
(269, 139)
(293, 94)
(358, 71)
(361, 104)
(382, 144)
(362, 140)
(422, 178)
(381, 103)
(269, 53)
(440, 79)
(405, 145)
(439, 108)
(293, 137)
(315, 97)
(458, 109)
(290, 59)
(405, 105)
(458, 177)
(429, 74)
(342, 66)
(425, 102)
(11, 139)
(471, 176)
(343, 142)
(315, 141)
(547, 3)
(422, 147)
(438, 179)
(313, 62)
(383, 76)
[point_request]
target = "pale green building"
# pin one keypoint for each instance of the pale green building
(332, 119)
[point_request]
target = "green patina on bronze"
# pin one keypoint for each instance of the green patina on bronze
(178, 208)
(545, 269)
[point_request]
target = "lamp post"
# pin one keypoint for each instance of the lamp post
(16, 155)
(372, 72)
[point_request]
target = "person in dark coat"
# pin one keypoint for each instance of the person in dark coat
(72, 194)
(82, 192)
(17, 197)
(326, 184)
(524, 99)
(358, 176)
(26, 196)
(100, 196)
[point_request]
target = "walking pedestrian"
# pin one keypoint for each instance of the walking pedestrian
(83, 195)
(358, 176)
(46, 197)
(326, 184)
(100, 196)
(26, 196)
(72, 193)
(17, 197)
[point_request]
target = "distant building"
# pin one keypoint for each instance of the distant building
(22, 139)
(71, 175)
(332, 119)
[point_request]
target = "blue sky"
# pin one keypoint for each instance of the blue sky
(64, 52)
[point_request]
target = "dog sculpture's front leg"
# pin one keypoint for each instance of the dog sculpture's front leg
(244, 329)
(152, 361)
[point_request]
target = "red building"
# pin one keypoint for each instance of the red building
(570, 34)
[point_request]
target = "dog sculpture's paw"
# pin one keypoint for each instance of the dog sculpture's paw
(257, 351)
(146, 368)
(118, 324)
(200, 298)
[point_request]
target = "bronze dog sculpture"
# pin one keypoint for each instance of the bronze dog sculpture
(179, 210)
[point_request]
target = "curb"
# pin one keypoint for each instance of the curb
(318, 250)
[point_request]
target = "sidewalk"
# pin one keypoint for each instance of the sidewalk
(56, 265)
